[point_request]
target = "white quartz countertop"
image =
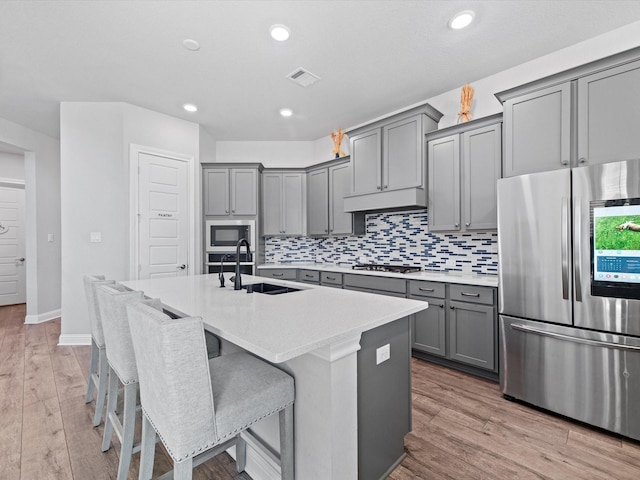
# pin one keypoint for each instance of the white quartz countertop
(446, 277)
(276, 327)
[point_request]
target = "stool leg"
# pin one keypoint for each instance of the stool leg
(102, 386)
(93, 370)
(287, 452)
(147, 449)
(110, 415)
(241, 454)
(128, 427)
(183, 470)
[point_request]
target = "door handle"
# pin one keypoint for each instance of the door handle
(577, 261)
(564, 234)
(181, 267)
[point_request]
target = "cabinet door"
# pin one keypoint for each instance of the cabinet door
(272, 203)
(216, 191)
(244, 191)
(293, 203)
(402, 157)
(429, 327)
(340, 222)
(366, 159)
(609, 115)
(444, 184)
(537, 131)
(317, 202)
(472, 334)
(481, 169)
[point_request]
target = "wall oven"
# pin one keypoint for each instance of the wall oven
(221, 237)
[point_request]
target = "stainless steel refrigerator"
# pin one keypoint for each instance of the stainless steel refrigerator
(569, 272)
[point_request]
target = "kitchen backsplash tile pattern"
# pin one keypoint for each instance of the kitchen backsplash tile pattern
(399, 238)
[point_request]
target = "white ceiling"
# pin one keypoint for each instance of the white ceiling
(373, 57)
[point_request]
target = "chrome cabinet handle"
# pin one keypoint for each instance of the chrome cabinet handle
(181, 267)
(577, 261)
(331, 278)
(582, 161)
(20, 259)
(564, 245)
(379, 187)
(308, 276)
(426, 289)
(457, 225)
(277, 274)
(467, 224)
(585, 341)
(465, 294)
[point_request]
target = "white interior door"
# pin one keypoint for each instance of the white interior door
(12, 246)
(163, 216)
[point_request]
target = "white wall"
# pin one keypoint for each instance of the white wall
(95, 142)
(11, 166)
(42, 189)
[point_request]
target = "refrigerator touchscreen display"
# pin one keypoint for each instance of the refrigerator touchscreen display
(615, 252)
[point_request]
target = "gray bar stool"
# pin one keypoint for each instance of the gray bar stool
(98, 365)
(112, 304)
(199, 406)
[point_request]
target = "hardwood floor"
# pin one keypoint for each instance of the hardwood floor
(462, 427)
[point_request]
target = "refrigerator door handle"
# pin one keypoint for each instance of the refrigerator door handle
(585, 341)
(577, 261)
(564, 232)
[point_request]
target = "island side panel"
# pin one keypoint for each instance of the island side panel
(384, 399)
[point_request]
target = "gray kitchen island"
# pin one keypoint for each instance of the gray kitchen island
(348, 352)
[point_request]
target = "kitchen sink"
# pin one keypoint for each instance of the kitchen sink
(269, 288)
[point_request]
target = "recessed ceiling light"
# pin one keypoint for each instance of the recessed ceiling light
(279, 32)
(190, 107)
(286, 112)
(461, 20)
(191, 44)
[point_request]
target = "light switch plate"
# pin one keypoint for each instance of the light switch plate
(50, 237)
(383, 354)
(96, 237)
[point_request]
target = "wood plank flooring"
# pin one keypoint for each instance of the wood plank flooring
(462, 427)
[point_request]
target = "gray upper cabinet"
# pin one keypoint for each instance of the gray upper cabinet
(537, 131)
(283, 203)
(585, 115)
(465, 162)
(609, 115)
(230, 191)
(326, 187)
(387, 161)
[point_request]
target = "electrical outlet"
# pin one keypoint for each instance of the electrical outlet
(383, 354)
(50, 237)
(95, 237)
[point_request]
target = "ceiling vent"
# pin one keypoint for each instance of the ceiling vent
(303, 77)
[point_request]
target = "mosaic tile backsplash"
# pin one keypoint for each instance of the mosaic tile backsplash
(394, 238)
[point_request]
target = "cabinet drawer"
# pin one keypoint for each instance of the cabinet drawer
(330, 278)
(280, 273)
(472, 293)
(311, 276)
(395, 285)
(427, 289)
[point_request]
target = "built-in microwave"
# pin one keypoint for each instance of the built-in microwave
(223, 235)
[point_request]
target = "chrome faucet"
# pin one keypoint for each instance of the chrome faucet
(237, 281)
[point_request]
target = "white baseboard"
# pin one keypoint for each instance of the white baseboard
(74, 339)
(42, 317)
(261, 463)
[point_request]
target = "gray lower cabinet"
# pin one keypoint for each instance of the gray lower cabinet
(331, 279)
(395, 287)
(309, 276)
(283, 202)
(429, 327)
(460, 323)
(465, 163)
(230, 191)
(278, 273)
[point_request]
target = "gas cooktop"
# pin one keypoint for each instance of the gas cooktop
(385, 268)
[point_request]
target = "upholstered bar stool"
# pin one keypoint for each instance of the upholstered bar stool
(98, 365)
(199, 406)
(112, 303)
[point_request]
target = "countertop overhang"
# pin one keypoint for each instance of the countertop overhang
(277, 327)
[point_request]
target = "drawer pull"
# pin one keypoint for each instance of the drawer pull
(331, 278)
(465, 294)
(277, 274)
(306, 275)
(426, 289)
